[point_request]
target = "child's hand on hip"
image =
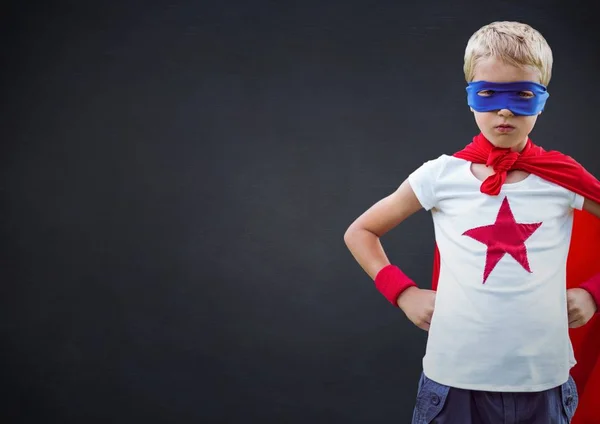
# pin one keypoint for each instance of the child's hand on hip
(581, 307)
(418, 305)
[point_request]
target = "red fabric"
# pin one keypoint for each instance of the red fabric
(504, 236)
(593, 287)
(391, 282)
(552, 166)
(583, 266)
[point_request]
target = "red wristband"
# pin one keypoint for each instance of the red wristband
(391, 282)
(592, 286)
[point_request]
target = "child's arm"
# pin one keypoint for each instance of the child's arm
(362, 237)
(363, 240)
(583, 301)
(593, 285)
(591, 207)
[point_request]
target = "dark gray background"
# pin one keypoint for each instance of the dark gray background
(176, 181)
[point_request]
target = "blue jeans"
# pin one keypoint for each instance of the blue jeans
(439, 404)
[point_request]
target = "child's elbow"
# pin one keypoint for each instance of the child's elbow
(350, 234)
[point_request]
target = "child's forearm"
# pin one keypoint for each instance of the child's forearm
(367, 250)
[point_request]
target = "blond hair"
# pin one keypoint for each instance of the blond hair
(514, 43)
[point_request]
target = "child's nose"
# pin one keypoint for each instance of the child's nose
(505, 112)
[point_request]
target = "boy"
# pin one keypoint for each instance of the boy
(502, 305)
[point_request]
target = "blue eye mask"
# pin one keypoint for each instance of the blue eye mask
(507, 96)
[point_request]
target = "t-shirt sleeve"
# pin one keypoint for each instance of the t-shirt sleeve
(577, 201)
(424, 179)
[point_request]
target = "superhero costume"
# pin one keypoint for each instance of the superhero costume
(582, 265)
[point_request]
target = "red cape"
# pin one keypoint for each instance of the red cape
(582, 261)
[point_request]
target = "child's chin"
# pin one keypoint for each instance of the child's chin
(504, 141)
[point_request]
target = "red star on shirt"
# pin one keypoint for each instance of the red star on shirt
(504, 236)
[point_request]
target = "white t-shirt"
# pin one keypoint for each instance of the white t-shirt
(500, 321)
